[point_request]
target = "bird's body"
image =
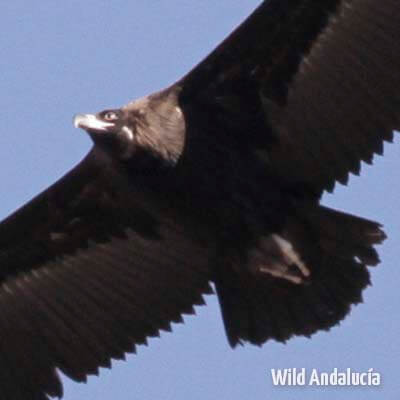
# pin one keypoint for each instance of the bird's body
(217, 178)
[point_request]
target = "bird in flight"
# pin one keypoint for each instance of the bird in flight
(216, 179)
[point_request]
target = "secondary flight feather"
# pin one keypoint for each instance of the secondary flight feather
(216, 179)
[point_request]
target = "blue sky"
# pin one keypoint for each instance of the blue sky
(61, 58)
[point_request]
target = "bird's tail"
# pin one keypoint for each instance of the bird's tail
(301, 279)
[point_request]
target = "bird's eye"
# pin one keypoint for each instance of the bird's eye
(110, 116)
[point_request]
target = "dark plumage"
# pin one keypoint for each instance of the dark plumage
(215, 179)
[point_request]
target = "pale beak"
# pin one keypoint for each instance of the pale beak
(90, 121)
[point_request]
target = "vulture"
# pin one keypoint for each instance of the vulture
(213, 182)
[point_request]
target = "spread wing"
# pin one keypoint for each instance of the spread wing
(89, 269)
(308, 88)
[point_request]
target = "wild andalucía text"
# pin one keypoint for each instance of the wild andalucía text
(302, 377)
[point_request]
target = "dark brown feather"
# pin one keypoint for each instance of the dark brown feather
(308, 89)
(126, 276)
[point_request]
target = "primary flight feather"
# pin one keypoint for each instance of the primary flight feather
(216, 179)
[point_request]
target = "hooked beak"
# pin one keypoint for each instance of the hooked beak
(90, 122)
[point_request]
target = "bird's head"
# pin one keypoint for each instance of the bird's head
(109, 129)
(150, 128)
